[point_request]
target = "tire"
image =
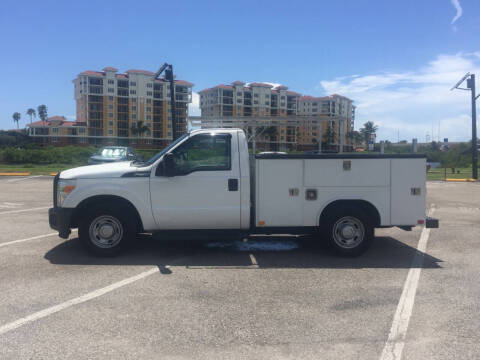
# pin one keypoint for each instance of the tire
(349, 231)
(106, 231)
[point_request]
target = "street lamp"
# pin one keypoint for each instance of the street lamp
(471, 86)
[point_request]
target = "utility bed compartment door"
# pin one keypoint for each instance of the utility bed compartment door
(279, 192)
(408, 191)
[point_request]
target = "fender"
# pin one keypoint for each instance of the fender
(345, 198)
(136, 190)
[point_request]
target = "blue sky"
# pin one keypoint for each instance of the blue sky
(395, 59)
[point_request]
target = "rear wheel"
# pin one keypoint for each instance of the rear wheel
(348, 231)
(106, 231)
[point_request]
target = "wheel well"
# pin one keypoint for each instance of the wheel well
(364, 205)
(111, 200)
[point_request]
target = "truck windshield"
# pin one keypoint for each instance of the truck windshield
(160, 154)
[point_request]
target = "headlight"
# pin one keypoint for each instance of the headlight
(64, 188)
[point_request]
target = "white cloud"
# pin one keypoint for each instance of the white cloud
(194, 107)
(459, 9)
(410, 102)
(458, 15)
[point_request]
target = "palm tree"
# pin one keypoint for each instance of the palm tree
(16, 118)
(368, 129)
(139, 129)
(42, 112)
(329, 136)
(31, 112)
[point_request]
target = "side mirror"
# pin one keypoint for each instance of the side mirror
(168, 165)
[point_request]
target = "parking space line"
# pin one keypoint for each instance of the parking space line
(31, 238)
(253, 260)
(23, 210)
(78, 300)
(396, 339)
(25, 178)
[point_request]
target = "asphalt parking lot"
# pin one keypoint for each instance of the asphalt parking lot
(413, 295)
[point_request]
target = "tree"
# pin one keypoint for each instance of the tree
(16, 118)
(368, 129)
(139, 129)
(31, 112)
(355, 137)
(42, 112)
(329, 136)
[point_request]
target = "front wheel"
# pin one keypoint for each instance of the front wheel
(349, 231)
(106, 231)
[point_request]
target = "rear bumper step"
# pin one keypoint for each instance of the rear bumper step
(431, 223)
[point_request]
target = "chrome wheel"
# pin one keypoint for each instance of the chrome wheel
(105, 231)
(348, 232)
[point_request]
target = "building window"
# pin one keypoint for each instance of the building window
(81, 131)
(255, 101)
(110, 81)
(55, 130)
(133, 83)
(149, 85)
(255, 95)
(110, 107)
(239, 94)
(110, 132)
(111, 90)
(149, 93)
(149, 118)
(149, 101)
(133, 92)
(134, 108)
(110, 98)
(134, 100)
(134, 116)
(239, 101)
(110, 123)
(110, 115)
(149, 109)
(55, 139)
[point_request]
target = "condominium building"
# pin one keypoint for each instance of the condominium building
(57, 130)
(314, 115)
(111, 104)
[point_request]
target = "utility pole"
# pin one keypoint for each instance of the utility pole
(471, 86)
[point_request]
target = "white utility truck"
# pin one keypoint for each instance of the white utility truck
(205, 181)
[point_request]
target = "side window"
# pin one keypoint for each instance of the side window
(203, 153)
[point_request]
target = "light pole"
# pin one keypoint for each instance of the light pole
(471, 86)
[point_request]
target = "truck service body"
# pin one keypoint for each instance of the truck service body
(205, 180)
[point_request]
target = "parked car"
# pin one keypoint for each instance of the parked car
(111, 154)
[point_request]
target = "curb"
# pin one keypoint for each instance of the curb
(461, 180)
(14, 174)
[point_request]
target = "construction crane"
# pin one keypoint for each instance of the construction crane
(168, 68)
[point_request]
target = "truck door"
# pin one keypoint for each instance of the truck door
(205, 191)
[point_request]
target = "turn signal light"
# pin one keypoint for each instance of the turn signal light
(68, 189)
(420, 222)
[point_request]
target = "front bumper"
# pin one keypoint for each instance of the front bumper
(59, 219)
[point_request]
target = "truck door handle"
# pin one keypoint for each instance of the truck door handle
(232, 184)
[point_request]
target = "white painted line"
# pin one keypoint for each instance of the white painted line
(396, 339)
(78, 300)
(31, 238)
(23, 210)
(25, 178)
(253, 260)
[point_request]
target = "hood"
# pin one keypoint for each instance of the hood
(101, 158)
(110, 170)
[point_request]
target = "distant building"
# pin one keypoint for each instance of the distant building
(260, 101)
(111, 103)
(57, 130)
